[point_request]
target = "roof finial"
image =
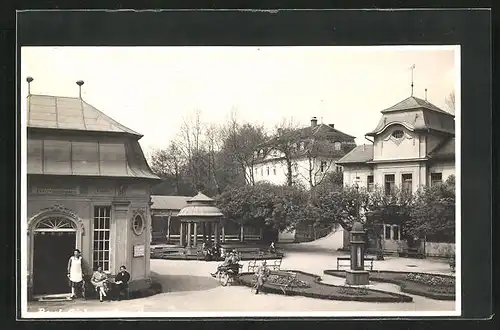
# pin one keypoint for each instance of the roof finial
(426, 94)
(412, 68)
(29, 80)
(80, 83)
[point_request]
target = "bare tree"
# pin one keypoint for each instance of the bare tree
(168, 162)
(286, 139)
(190, 143)
(450, 102)
(241, 142)
(214, 142)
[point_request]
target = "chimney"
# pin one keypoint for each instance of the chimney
(426, 94)
(331, 125)
(29, 80)
(80, 83)
(314, 121)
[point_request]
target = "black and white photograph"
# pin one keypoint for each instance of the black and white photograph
(240, 181)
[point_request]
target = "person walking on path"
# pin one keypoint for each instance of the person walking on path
(262, 273)
(75, 273)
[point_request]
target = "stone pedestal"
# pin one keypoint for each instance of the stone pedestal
(357, 277)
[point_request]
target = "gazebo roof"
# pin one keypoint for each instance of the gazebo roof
(200, 208)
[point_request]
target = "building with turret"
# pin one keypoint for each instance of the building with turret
(413, 146)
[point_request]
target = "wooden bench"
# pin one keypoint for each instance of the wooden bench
(273, 265)
(371, 259)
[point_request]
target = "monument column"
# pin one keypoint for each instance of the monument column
(357, 275)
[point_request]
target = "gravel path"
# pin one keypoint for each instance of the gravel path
(188, 287)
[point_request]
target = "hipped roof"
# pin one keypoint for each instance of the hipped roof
(70, 113)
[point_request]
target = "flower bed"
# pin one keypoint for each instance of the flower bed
(309, 285)
(434, 286)
(277, 279)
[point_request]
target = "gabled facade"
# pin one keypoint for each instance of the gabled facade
(315, 151)
(413, 146)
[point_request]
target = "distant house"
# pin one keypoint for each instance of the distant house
(413, 146)
(315, 151)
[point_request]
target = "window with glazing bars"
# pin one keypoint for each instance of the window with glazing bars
(389, 183)
(436, 178)
(407, 183)
(369, 182)
(101, 237)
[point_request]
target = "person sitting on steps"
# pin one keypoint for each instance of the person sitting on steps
(100, 281)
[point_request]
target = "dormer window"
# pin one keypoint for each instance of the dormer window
(397, 134)
(337, 146)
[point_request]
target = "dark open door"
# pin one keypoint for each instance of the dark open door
(51, 252)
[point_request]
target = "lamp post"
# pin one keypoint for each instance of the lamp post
(357, 275)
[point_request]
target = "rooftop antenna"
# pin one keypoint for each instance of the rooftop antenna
(426, 94)
(80, 83)
(29, 80)
(412, 68)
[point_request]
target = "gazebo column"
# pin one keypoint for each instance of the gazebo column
(223, 234)
(209, 231)
(195, 238)
(204, 230)
(242, 234)
(216, 233)
(189, 234)
(181, 234)
(168, 229)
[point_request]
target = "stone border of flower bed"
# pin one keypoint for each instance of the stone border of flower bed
(405, 286)
(385, 297)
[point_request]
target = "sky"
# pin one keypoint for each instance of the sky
(151, 89)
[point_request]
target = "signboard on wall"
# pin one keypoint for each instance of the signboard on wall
(139, 250)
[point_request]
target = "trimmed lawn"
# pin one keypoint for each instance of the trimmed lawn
(434, 286)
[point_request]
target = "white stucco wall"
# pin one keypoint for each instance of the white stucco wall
(386, 147)
(445, 168)
(357, 173)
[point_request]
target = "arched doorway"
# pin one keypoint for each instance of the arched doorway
(53, 239)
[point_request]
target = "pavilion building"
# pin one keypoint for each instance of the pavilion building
(88, 188)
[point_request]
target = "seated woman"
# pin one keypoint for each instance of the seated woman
(121, 281)
(225, 265)
(100, 281)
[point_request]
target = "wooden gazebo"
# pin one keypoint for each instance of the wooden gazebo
(201, 210)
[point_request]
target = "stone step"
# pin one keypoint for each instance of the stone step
(54, 297)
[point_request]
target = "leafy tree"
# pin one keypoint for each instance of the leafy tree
(433, 212)
(263, 205)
